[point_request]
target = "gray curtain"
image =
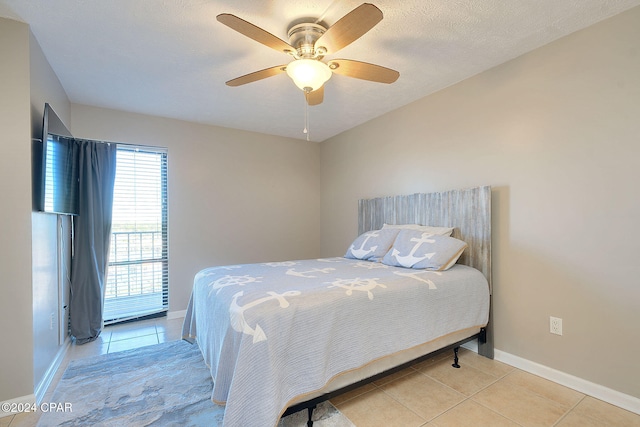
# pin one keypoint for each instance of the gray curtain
(92, 232)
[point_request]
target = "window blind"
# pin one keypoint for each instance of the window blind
(137, 277)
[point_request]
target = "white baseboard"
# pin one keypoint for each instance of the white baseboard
(603, 393)
(176, 314)
(20, 402)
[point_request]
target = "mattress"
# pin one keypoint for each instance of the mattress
(273, 334)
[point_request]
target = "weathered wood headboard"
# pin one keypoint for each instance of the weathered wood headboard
(468, 210)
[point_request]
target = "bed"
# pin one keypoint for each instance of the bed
(279, 337)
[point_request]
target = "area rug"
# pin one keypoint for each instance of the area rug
(159, 385)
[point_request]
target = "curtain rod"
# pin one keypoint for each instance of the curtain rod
(127, 144)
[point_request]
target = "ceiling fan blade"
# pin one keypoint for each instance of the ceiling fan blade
(257, 75)
(350, 27)
(254, 32)
(363, 70)
(316, 97)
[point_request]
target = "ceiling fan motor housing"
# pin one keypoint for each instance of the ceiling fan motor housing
(303, 37)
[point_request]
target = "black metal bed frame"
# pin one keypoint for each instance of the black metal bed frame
(311, 404)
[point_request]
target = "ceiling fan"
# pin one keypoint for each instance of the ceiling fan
(308, 43)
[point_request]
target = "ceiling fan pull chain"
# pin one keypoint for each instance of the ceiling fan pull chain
(306, 116)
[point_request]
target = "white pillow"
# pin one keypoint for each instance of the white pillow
(441, 231)
(421, 250)
(372, 245)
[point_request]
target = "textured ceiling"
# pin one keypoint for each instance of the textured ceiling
(170, 58)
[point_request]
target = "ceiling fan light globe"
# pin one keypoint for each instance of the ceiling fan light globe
(308, 74)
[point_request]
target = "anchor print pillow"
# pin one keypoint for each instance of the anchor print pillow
(372, 245)
(423, 250)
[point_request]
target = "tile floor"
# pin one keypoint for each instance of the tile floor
(431, 394)
(482, 392)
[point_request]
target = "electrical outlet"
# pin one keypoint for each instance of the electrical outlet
(555, 325)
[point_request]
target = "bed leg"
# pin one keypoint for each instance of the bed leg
(310, 409)
(455, 357)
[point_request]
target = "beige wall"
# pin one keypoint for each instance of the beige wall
(234, 196)
(47, 269)
(557, 133)
(16, 362)
(30, 241)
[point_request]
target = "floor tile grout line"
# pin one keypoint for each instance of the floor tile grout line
(134, 336)
(529, 390)
(406, 407)
(496, 412)
(511, 372)
(470, 397)
(443, 384)
(459, 392)
(584, 396)
(570, 407)
(464, 396)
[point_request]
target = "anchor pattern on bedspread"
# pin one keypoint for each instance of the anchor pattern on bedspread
(417, 275)
(240, 324)
(229, 280)
(366, 285)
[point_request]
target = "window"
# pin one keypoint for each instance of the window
(137, 276)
